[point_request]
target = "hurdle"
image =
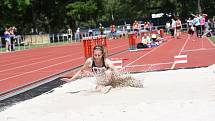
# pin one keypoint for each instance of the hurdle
(132, 37)
(90, 42)
(118, 62)
(180, 59)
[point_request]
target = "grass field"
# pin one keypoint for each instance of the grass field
(212, 38)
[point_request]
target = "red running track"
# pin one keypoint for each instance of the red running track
(200, 52)
(22, 68)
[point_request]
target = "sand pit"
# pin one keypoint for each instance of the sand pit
(174, 95)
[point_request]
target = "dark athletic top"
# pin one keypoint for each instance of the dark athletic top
(98, 69)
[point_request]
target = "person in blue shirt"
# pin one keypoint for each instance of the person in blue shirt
(197, 25)
(7, 39)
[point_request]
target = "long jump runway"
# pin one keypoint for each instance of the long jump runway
(199, 51)
(23, 70)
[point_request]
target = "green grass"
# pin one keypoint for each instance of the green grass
(212, 38)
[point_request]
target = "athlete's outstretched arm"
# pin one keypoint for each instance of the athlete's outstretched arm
(79, 72)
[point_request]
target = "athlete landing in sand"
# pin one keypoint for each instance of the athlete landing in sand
(100, 66)
(107, 76)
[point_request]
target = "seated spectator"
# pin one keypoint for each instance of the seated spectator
(154, 37)
(146, 39)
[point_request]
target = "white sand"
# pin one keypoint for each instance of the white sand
(176, 95)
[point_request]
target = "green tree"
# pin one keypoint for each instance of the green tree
(12, 10)
(82, 12)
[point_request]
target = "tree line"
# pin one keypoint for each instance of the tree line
(55, 16)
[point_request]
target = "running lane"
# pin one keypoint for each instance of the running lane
(157, 58)
(18, 69)
(200, 52)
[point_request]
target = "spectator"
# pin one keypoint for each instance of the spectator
(191, 28)
(196, 23)
(136, 26)
(154, 37)
(178, 27)
(173, 27)
(13, 32)
(101, 29)
(69, 32)
(202, 23)
(77, 34)
(90, 32)
(168, 26)
(128, 27)
(7, 40)
(113, 31)
(146, 39)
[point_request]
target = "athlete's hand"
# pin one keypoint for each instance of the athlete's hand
(66, 80)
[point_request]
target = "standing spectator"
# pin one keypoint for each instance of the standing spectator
(128, 27)
(13, 32)
(168, 26)
(211, 25)
(112, 31)
(123, 30)
(7, 40)
(101, 29)
(191, 29)
(202, 23)
(178, 27)
(90, 32)
(136, 26)
(77, 34)
(69, 32)
(196, 23)
(173, 27)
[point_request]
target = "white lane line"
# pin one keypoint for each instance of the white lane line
(35, 63)
(200, 49)
(153, 64)
(40, 69)
(188, 37)
(145, 55)
(22, 61)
